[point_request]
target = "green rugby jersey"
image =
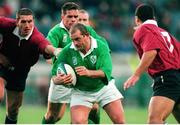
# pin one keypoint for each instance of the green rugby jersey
(98, 58)
(59, 36)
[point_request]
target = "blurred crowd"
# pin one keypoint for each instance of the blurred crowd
(114, 19)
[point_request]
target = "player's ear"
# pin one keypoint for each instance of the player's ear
(62, 15)
(17, 21)
(137, 21)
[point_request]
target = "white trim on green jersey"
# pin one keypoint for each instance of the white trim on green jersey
(61, 25)
(93, 46)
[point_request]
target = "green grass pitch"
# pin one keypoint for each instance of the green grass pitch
(34, 114)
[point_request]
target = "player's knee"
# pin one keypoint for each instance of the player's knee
(155, 119)
(118, 120)
(79, 120)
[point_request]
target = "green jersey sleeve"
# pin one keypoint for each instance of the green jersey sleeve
(54, 36)
(104, 63)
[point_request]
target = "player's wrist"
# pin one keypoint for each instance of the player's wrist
(56, 52)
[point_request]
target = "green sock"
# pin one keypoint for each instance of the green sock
(94, 117)
(44, 121)
(90, 121)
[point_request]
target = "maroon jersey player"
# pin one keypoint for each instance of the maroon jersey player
(20, 47)
(159, 52)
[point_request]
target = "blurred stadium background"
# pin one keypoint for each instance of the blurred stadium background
(113, 19)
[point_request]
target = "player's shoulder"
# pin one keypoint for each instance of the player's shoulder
(88, 27)
(144, 29)
(37, 35)
(56, 30)
(101, 45)
(6, 19)
(7, 22)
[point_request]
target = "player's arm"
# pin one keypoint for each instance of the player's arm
(145, 62)
(54, 38)
(52, 50)
(62, 79)
(4, 61)
(6, 22)
(83, 71)
(59, 78)
(103, 66)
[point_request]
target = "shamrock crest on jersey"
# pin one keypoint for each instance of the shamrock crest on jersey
(93, 59)
(74, 60)
(65, 38)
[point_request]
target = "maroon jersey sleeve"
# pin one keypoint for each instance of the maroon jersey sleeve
(148, 40)
(6, 23)
(40, 40)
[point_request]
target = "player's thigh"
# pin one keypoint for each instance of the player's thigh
(14, 100)
(79, 114)
(115, 110)
(160, 107)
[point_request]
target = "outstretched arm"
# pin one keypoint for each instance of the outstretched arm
(145, 62)
(83, 71)
(52, 50)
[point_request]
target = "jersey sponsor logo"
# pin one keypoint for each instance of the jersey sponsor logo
(74, 60)
(93, 59)
(65, 38)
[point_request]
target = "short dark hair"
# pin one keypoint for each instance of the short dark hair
(144, 12)
(24, 11)
(69, 6)
(81, 27)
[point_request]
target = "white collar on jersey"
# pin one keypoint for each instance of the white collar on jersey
(150, 22)
(62, 26)
(93, 46)
(153, 22)
(16, 32)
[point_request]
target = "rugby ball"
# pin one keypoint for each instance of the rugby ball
(64, 68)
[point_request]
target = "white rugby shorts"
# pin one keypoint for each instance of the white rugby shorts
(59, 93)
(104, 96)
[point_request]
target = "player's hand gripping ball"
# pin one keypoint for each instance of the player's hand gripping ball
(67, 69)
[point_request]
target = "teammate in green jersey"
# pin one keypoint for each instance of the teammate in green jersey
(94, 116)
(92, 63)
(59, 96)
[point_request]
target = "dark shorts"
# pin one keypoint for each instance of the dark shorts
(167, 84)
(15, 80)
